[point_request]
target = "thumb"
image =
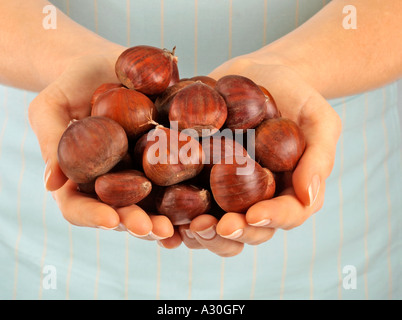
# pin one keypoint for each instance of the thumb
(321, 126)
(48, 118)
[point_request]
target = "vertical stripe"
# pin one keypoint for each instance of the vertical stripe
(42, 262)
(366, 216)
(264, 34)
(162, 26)
(96, 16)
(285, 262)
(196, 38)
(230, 29)
(3, 127)
(297, 14)
(341, 156)
(128, 21)
(312, 257)
(98, 267)
(127, 266)
(254, 276)
(70, 260)
(389, 205)
(158, 270)
(19, 221)
(190, 272)
(68, 7)
(222, 278)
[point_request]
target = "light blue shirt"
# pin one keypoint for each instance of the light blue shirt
(351, 249)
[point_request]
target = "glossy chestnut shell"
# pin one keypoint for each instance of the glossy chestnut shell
(244, 100)
(198, 106)
(134, 111)
(146, 69)
(279, 144)
(102, 89)
(162, 102)
(181, 203)
(237, 190)
(123, 188)
(171, 157)
(91, 147)
(271, 109)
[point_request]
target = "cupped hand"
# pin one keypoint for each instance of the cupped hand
(67, 98)
(321, 125)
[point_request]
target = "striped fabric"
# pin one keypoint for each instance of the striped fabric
(351, 249)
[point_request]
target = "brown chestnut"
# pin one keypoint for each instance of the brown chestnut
(279, 144)
(219, 147)
(205, 79)
(245, 102)
(271, 109)
(198, 106)
(102, 89)
(240, 182)
(123, 188)
(181, 203)
(134, 111)
(171, 157)
(162, 102)
(146, 69)
(90, 147)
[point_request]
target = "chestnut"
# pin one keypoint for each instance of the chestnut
(146, 69)
(279, 144)
(102, 89)
(134, 111)
(205, 79)
(123, 188)
(239, 182)
(162, 102)
(244, 100)
(91, 147)
(271, 109)
(181, 203)
(171, 157)
(219, 147)
(198, 106)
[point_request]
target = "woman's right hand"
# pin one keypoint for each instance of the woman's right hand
(67, 98)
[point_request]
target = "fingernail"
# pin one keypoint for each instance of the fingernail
(208, 233)
(155, 237)
(261, 223)
(234, 235)
(46, 175)
(313, 189)
(138, 235)
(106, 228)
(189, 233)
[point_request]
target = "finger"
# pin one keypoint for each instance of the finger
(171, 242)
(204, 229)
(135, 221)
(188, 237)
(321, 127)
(234, 226)
(285, 211)
(162, 228)
(83, 210)
(48, 120)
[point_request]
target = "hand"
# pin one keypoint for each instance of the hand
(305, 195)
(67, 98)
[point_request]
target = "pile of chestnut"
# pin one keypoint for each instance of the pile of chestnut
(179, 147)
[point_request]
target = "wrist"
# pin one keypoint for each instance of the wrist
(99, 48)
